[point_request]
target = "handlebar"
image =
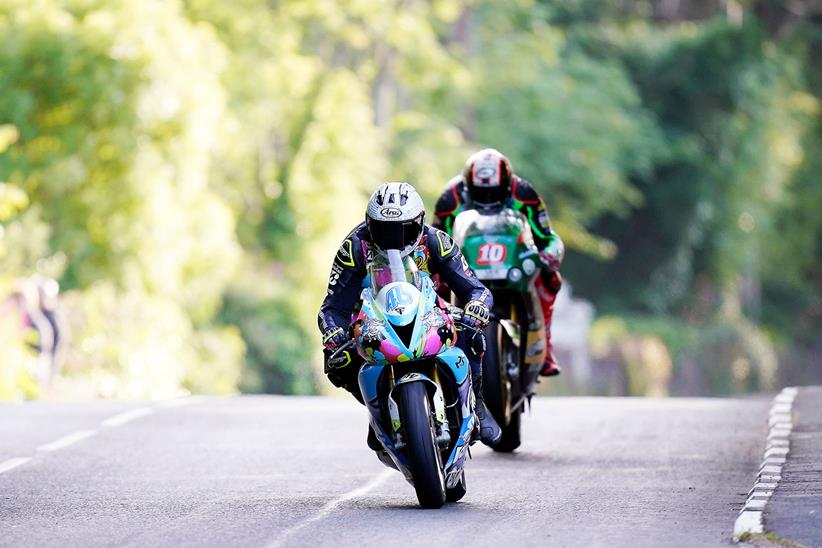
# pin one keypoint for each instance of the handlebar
(341, 349)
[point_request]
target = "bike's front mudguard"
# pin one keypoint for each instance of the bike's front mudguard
(454, 360)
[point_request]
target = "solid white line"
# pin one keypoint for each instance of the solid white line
(65, 441)
(330, 506)
(10, 464)
(127, 416)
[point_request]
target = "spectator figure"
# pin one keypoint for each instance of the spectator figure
(34, 327)
(48, 291)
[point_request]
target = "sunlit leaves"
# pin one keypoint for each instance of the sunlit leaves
(118, 108)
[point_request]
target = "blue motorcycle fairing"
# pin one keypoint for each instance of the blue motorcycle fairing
(456, 360)
(368, 378)
(451, 363)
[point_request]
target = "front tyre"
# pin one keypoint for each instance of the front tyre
(423, 454)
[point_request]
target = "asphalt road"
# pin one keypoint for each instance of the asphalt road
(277, 471)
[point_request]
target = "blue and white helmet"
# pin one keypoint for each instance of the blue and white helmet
(395, 217)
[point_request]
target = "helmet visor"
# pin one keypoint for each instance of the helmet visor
(395, 234)
(488, 195)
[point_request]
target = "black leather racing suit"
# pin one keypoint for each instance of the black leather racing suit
(435, 254)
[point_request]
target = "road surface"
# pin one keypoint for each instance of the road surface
(284, 471)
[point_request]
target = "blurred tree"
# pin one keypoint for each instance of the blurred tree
(116, 124)
(343, 96)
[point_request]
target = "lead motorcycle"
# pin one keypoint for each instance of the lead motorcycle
(415, 383)
(500, 249)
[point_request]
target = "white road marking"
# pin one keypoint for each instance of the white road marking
(128, 416)
(10, 464)
(330, 506)
(65, 441)
(111, 422)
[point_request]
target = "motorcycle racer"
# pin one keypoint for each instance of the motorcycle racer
(488, 182)
(395, 219)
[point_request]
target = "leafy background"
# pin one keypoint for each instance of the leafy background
(186, 170)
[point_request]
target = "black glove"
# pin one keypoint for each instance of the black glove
(343, 371)
(340, 361)
(475, 338)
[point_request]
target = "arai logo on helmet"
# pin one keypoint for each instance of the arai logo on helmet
(486, 172)
(390, 212)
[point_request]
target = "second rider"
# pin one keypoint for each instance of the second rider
(488, 183)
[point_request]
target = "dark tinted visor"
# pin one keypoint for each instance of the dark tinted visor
(486, 195)
(394, 234)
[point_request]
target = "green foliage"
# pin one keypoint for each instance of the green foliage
(555, 111)
(188, 169)
(732, 110)
(116, 128)
(659, 354)
(278, 359)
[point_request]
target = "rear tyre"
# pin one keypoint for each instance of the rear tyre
(458, 491)
(510, 439)
(496, 389)
(494, 384)
(423, 454)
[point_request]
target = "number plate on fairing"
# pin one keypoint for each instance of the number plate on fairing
(496, 273)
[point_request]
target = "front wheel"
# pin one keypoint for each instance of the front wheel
(423, 454)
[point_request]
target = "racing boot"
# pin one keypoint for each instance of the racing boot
(372, 441)
(490, 432)
(548, 286)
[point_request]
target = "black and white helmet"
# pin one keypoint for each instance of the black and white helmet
(395, 217)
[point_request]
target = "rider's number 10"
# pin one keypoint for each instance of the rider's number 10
(491, 253)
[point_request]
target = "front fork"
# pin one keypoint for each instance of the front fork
(443, 433)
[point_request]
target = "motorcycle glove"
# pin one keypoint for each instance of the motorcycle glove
(476, 314)
(341, 360)
(334, 338)
(551, 257)
(475, 338)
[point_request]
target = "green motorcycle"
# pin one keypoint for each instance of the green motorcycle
(499, 247)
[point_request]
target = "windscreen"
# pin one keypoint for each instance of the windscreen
(502, 222)
(381, 273)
